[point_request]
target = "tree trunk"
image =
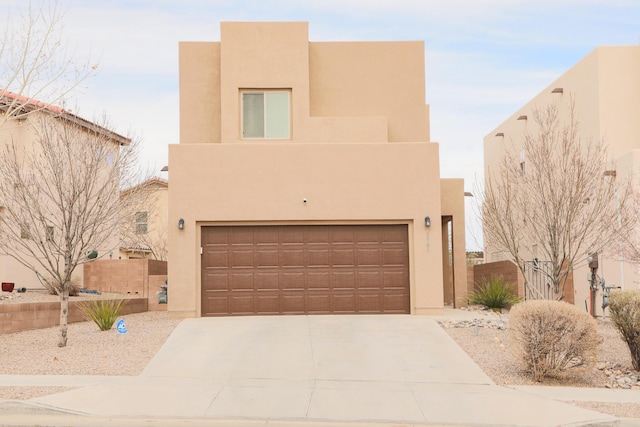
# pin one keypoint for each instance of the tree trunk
(64, 314)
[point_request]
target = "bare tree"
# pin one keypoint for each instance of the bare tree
(555, 198)
(60, 196)
(34, 61)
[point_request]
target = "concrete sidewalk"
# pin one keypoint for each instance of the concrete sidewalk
(307, 370)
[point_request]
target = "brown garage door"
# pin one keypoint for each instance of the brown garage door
(305, 269)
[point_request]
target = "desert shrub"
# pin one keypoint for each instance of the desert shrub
(103, 312)
(54, 288)
(552, 337)
(495, 293)
(624, 311)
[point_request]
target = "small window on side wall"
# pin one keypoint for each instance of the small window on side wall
(141, 223)
(266, 114)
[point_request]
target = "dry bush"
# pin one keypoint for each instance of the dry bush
(552, 337)
(624, 309)
(53, 287)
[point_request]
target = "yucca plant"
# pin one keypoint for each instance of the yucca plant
(103, 312)
(495, 293)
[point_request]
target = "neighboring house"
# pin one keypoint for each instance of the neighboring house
(147, 237)
(605, 86)
(305, 180)
(20, 128)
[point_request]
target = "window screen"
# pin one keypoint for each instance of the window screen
(265, 115)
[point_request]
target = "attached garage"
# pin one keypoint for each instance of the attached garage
(305, 269)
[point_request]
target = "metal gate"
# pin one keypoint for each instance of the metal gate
(537, 284)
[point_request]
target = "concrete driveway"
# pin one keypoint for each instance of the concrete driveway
(370, 369)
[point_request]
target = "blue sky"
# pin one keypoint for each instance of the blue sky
(484, 58)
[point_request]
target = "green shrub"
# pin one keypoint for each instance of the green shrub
(103, 312)
(551, 337)
(624, 309)
(494, 293)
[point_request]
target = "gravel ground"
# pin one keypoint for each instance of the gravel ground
(89, 351)
(489, 346)
(36, 353)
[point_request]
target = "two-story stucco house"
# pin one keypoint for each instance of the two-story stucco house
(147, 236)
(305, 180)
(20, 126)
(604, 88)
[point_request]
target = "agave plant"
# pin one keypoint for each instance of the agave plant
(103, 312)
(495, 293)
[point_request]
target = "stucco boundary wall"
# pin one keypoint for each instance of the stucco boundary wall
(38, 315)
(131, 277)
(510, 273)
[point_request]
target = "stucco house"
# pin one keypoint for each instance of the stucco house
(20, 126)
(147, 236)
(605, 87)
(305, 181)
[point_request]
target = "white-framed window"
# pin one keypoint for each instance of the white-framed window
(266, 114)
(141, 223)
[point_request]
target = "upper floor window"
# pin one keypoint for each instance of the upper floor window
(141, 223)
(266, 114)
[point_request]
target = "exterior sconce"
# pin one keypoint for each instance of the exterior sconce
(181, 224)
(427, 221)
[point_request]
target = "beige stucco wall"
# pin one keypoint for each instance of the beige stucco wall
(605, 86)
(452, 196)
(341, 92)
(359, 150)
(342, 183)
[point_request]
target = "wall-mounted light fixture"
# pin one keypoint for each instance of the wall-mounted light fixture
(557, 90)
(500, 134)
(181, 224)
(522, 117)
(611, 173)
(427, 221)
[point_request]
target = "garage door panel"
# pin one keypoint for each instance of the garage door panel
(241, 258)
(393, 257)
(370, 302)
(318, 303)
(218, 281)
(343, 280)
(241, 303)
(266, 281)
(216, 304)
(343, 257)
(316, 235)
(318, 257)
(343, 302)
(393, 234)
(293, 303)
(241, 280)
(216, 258)
(395, 303)
(340, 234)
(267, 304)
(293, 280)
(292, 235)
(395, 279)
(314, 269)
(267, 257)
(368, 256)
(241, 235)
(319, 280)
(293, 257)
(266, 236)
(370, 280)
